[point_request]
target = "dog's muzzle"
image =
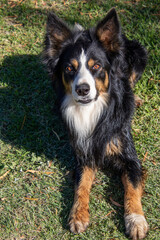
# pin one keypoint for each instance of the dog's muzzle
(82, 89)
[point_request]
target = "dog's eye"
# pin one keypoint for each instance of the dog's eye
(69, 69)
(96, 67)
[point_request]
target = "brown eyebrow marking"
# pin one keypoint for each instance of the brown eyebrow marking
(91, 62)
(75, 64)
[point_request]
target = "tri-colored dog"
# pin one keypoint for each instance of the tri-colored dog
(93, 72)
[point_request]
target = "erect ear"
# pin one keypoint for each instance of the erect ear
(108, 31)
(57, 34)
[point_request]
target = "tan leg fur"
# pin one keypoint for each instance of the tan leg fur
(135, 222)
(79, 215)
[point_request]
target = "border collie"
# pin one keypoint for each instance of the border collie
(93, 72)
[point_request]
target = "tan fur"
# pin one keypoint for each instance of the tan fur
(114, 147)
(75, 63)
(132, 197)
(59, 37)
(106, 81)
(79, 215)
(138, 101)
(135, 222)
(105, 37)
(132, 79)
(91, 63)
(102, 86)
(66, 85)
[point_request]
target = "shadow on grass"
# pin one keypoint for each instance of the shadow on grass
(29, 121)
(114, 196)
(27, 114)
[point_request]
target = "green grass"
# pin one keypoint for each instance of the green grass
(35, 204)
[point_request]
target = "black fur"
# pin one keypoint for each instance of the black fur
(121, 58)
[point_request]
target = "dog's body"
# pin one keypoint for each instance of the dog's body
(93, 73)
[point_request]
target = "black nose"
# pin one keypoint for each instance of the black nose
(82, 89)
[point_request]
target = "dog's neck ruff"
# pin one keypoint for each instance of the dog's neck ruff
(82, 119)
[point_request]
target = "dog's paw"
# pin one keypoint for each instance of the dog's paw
(136, 226)
(79, 221)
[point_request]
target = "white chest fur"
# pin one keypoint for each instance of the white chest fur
(82, 119)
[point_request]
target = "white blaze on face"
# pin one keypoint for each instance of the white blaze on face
(84, 76)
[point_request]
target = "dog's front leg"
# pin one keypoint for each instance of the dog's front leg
(135, 222)
(79, 215)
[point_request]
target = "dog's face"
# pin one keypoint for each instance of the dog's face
(79, 57)
(84, 73)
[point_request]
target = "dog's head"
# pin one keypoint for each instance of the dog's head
(79, 60)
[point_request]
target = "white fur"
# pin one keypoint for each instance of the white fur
(84, 76)
(82, 118)
(77, 26)
(136, 225)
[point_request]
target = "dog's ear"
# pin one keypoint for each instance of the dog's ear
(108, 31)
(57, 33)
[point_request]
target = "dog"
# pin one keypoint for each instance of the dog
(94, 72)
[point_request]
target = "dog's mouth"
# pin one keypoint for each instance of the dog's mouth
(85, 101)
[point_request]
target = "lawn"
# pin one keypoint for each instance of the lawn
(36, 161)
